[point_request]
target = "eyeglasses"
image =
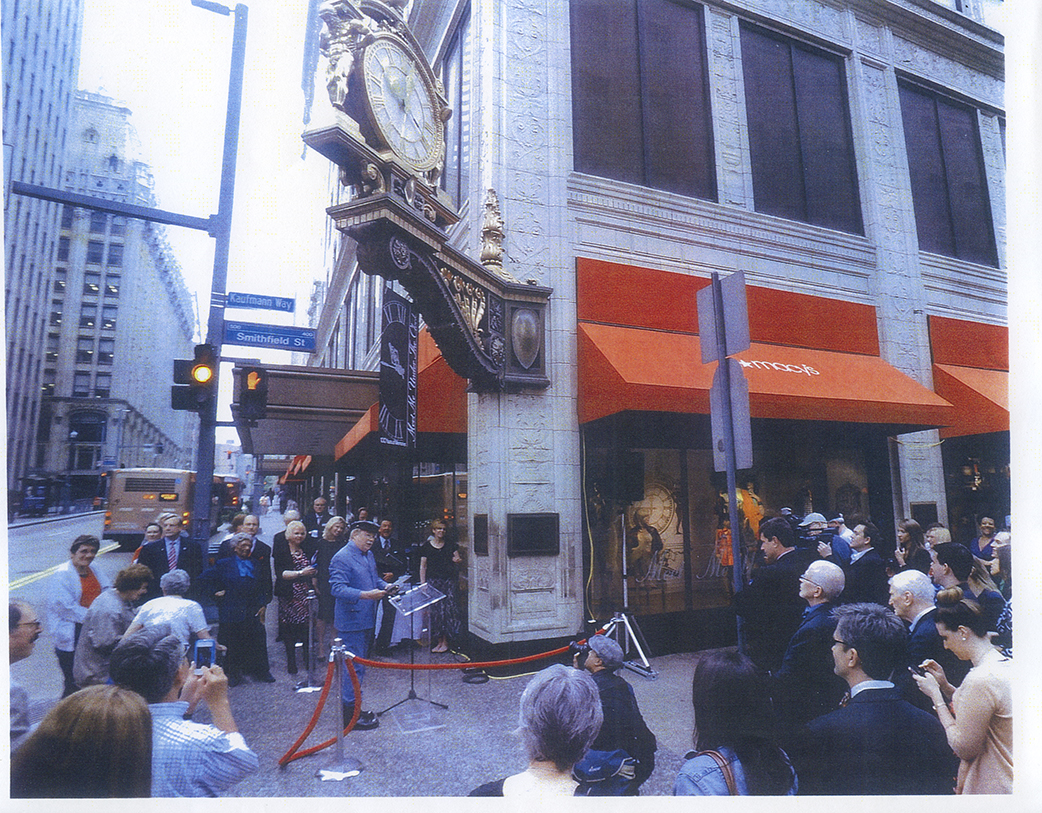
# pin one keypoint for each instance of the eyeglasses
(809, 581)
(844, 644)
(35, 624)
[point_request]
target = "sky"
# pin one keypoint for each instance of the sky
(168, 62)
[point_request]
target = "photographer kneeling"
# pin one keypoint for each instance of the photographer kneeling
(624, 728)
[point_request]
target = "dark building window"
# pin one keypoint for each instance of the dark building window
(102, 385)
(95, 251)
(97, 222)
(115, 255)
(111, 286)
(456, 75)
(800, 142)
(48, 382)
(81, 385)
(108, 317)
(68, 212)
(91, 283)
(640, 95)
(63, 248)
(106, 349)
(949, 186)
(84, 350)
(56, 312)
(52, 347)
(119, 226)
(60, 275)
(88, 315)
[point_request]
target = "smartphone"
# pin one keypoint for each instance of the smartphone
(204, 652)
(918, 670)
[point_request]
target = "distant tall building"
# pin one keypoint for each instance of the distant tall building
(119, 313)
(41, 56)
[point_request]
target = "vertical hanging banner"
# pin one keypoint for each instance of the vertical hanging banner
(399, 343)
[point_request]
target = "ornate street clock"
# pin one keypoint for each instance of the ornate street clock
(403, 104)
(387, 138)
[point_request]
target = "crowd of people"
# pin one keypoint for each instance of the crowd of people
(140, 634)
(862, 668)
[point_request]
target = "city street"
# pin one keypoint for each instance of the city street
(475, 745)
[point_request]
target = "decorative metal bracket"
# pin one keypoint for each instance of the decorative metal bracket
(490, 327)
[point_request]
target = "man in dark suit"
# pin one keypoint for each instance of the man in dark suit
(174, 551)
(318, 516)
(391, 564)
(878, 743)
(806, 686)
(771, 605)
(866, 573)
(912, 597)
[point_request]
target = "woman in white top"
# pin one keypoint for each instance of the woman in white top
(979, 724)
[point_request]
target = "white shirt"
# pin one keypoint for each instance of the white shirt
(184, 616)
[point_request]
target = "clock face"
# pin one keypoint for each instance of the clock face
(403, 105)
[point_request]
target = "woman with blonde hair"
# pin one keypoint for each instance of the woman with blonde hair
(439, 566)
(979, 723)
(96, 743)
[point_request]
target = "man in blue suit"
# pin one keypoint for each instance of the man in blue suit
(878, 743)
(358, 589)
(806, 686)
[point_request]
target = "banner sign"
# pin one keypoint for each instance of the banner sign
(399, 345)
(261, 302)
(282, 337)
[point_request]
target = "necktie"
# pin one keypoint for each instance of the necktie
(171, 555)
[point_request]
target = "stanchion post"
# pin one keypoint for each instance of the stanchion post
(308, 684)
(343, 767)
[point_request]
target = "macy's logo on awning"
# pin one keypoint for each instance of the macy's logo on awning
(805, 369)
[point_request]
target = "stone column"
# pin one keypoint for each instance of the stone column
(523, 448)
(889, 219)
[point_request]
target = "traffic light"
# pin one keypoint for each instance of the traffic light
(253, 397)
(195, 381)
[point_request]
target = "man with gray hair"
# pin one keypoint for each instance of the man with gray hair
(188, 759)
(23, 631)
(912, 596)
(623, 728)
(184, 616)
(805, 687)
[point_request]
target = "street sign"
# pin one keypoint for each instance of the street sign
(284, 338)
(261, 302)
(743, 438)
(735, 317)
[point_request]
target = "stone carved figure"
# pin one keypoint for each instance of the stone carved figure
(344, 32)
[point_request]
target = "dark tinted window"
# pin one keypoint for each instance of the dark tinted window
(946, 167)
(800, 143)
(640, 101)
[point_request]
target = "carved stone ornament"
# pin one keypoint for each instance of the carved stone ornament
(387, 138)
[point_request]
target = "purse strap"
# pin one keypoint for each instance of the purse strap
(725, 769)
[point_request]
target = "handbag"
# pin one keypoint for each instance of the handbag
(725, 769)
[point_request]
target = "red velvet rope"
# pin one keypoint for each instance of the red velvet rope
(292, 754)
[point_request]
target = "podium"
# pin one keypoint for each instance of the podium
(415, 713)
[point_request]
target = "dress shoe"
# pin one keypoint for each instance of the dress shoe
(234, 680)
(366, 719)
(267, 677)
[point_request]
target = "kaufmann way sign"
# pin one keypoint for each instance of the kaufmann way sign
(284, 338)
(261, 302)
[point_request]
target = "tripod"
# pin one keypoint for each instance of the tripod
(623, 627)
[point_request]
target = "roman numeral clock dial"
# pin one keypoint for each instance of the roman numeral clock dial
(403, 104)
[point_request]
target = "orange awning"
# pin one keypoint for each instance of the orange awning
(624, 369)
(980, 397)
